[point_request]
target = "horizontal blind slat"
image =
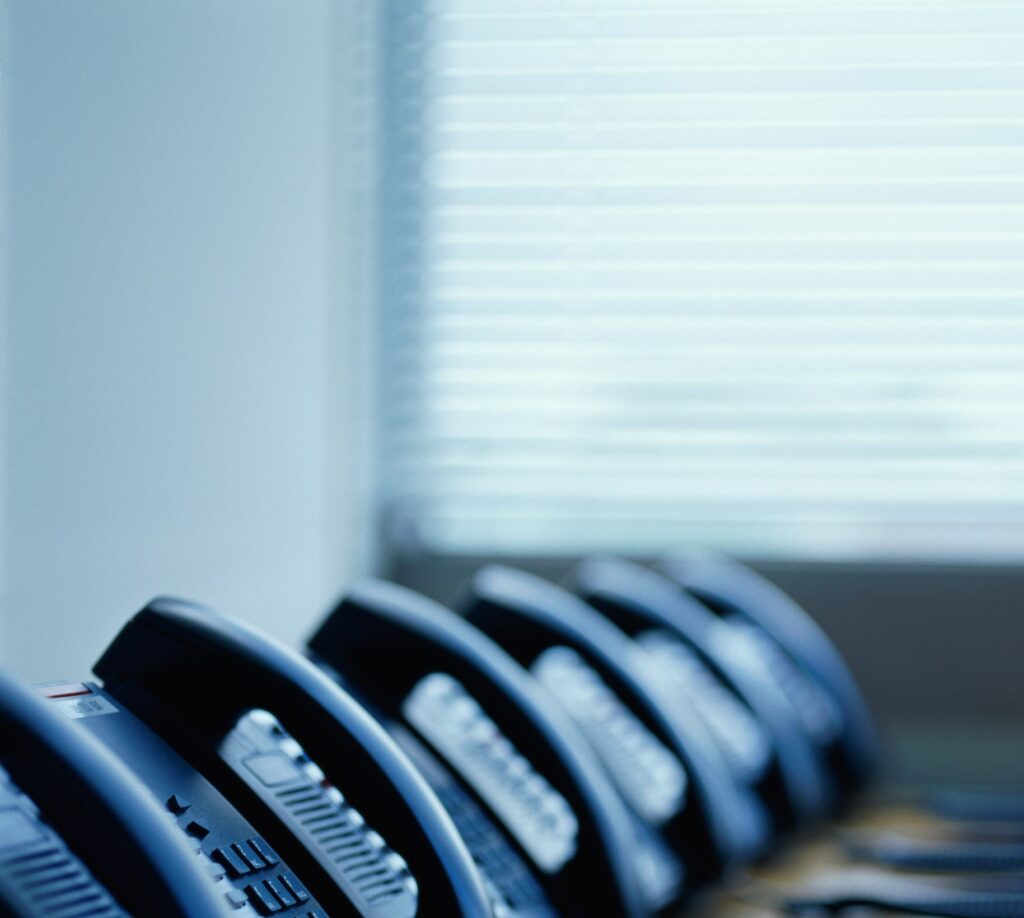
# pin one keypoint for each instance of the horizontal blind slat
(750, 274)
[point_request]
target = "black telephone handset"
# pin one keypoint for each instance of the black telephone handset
(795, 650)
(79, 834)
(598, 673)
(300, 758)
(430, 671)
(694, 652)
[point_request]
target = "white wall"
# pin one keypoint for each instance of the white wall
(183, 403)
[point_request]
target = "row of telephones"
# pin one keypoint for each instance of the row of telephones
(604, 747)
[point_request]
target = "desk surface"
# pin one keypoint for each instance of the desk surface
(809, 858)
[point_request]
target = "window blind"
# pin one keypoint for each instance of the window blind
(747, 273)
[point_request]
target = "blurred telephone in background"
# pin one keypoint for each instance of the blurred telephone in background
(547, 828)
(795, 652)
(656, 748)
(693, 653)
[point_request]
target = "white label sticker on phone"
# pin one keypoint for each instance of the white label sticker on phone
(89, 706)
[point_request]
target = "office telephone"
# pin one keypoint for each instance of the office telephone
(495, 739)
(79, 834)
(795, 651)
(602, 678)
(253, 782)
(287, 786)
(695, 652)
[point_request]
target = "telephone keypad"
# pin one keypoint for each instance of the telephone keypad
(539, 817)
(736, 731)
(513, 891)
(38, 872)
(242, 859)
(191, 803)
(647, 774)
(818, 712)
(374, 877)
(659, 871)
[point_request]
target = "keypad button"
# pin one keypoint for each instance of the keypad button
(249, 856)
(234, 865)
(280, 893)
(177, 804)
(263, 850)
(236, 898)
(294, 887)
(262, 900)
(197, 829)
